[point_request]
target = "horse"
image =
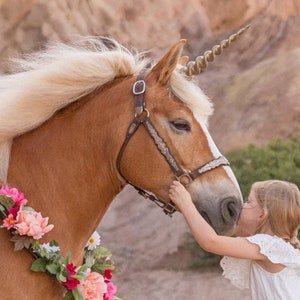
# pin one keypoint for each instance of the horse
(80, 121)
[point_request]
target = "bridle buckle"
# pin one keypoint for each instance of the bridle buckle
(185, 178)
(169, 208)
(139, 87)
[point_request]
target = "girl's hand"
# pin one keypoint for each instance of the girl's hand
(179, 195)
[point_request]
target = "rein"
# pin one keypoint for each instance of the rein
(142, 117)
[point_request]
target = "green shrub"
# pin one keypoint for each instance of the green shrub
(278, 160)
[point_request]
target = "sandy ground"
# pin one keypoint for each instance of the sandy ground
(144, 243)
(181, 285)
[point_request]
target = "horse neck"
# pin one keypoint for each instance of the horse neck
(67, 166)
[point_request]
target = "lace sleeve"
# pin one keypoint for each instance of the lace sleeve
(277, 250)
(237, 271)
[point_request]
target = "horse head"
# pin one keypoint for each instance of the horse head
(175, 142)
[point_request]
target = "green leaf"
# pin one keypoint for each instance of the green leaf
(83, 268)
(39, 265)
(35, 245)
(2, 208)
(53, 268)
(101, 252)
(7, 202)
(100, 268)
(77, 294)
(28, 208)
(54, 243)
(69, 296)
(61, 277)
(68, 257)
(79, 276)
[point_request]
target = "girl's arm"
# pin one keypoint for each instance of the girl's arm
(205, 235)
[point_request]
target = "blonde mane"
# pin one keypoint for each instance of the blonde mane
(46, 81)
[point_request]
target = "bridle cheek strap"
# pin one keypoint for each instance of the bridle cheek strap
(142, 117)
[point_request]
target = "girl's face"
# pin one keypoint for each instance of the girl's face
(251, 217)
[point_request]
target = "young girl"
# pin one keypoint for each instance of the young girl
(266, 254)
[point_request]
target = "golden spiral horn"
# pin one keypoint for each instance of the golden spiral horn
(200, 63)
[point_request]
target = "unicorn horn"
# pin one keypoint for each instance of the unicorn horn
(200, 63)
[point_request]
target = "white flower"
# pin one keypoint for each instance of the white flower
(93, 241)
(49, 248)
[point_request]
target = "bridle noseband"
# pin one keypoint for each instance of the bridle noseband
(142, 117)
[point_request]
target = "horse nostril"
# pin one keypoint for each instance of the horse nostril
(230, 209)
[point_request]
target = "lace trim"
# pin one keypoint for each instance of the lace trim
(277, 250)
(237, 271)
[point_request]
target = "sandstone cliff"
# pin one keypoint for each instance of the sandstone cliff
(249, 84)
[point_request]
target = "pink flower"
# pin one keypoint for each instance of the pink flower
(71, 269)
(31, 223)
(71, 283)
(14, 194)
(14, 210)
(93, 287)
(111, 290)
(108, 274)
(9, 222)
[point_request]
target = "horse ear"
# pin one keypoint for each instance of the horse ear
(183, 60)
(165, 67)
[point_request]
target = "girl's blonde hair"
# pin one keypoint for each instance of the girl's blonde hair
(282, 201)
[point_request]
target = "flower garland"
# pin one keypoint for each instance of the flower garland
(90, 281)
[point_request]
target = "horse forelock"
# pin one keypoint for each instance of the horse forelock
(46, 81)
(190, 93)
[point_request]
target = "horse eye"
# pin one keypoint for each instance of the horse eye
(181, 125)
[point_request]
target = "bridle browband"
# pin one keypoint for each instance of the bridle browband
(142, 117)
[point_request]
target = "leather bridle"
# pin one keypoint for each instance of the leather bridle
(142, 117)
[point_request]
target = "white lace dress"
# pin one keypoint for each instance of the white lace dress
(245, 273)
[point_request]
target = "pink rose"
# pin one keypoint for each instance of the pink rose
(111, 290)
(93, 287)
(14, 194)
(31, 223)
